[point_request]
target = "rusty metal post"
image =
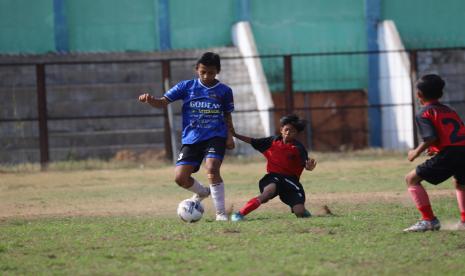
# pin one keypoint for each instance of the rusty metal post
(166, 76)
(288, 87)
(413, 77)
(42, 112)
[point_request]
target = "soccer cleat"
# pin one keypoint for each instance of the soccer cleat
(307, 214)
(199, 198)
(237, 217)
(221, 217)
(424, 225)
(460, 226)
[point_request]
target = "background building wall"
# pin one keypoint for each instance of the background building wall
(201, 24)
(279, 27)
(112, 26)
(427, 23)
(26, 26)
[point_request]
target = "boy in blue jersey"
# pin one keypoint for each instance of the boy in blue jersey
(206, 112)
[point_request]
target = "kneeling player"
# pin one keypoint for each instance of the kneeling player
(286, 159)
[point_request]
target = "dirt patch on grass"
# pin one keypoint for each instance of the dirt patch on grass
(166, 206)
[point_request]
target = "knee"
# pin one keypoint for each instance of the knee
(266, 196)
(410, 179)
(299, 210)
(458, 185)
(407, 179)
(182, 180)
(213, 173)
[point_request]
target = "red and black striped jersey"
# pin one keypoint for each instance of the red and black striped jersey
(441, 123)
(286, 159)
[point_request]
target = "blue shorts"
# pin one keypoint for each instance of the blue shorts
(193, 154)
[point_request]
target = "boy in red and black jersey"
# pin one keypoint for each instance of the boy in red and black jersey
(443, 134)
(286, 159)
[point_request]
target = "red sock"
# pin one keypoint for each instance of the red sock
(461, 202)
(250, 206)
(421, 199)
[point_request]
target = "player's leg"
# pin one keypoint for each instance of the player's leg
(459, 182)
(435, 171)
(214, 150)
(183, 177)
(292, 193)
(268, 190)
(188, 163)
(212, 166)
(419, 195)
(420, 198)
(268, 193)
(300, 211)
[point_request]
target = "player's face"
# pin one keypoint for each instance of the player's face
(420, 97)
(288, 132)
(207, 74)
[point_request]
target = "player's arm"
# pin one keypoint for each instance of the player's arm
(229, 124)
(414, 153)
(158, 103)
(246, 139)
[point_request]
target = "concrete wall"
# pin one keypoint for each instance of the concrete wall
(99, 90)
(450, 65)
(395, 86)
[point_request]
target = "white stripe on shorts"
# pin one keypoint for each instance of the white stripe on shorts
(292, 183)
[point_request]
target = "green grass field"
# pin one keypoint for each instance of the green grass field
(98, 218)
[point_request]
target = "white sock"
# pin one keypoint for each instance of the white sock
(198, 188)
(217, 193)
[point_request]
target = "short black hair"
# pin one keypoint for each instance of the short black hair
(293, 120)
(431, 86)
(210, 59)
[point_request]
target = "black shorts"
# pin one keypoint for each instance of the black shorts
(448, 162)
(193, 154)
(288, 188)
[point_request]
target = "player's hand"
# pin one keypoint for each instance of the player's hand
(412, 155)
(310, 164)
(145, 98)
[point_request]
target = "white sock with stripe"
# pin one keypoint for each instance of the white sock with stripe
(217, 193)
(198, 188)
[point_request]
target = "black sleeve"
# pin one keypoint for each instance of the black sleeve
(302, 152)
(426, 128)
(262, 144)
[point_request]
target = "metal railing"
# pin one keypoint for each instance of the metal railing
(43, 117)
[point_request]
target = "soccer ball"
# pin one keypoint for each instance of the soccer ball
(190, 210)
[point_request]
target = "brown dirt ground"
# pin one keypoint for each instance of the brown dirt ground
(149, 206)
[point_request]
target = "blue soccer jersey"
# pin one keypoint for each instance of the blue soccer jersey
(202, 110)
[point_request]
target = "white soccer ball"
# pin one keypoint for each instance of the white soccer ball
(190, 210)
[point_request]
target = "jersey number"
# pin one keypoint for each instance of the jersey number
(454, 136)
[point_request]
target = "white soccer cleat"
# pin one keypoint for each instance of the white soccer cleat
(221, 217)
(460, 226)
(424, 225)
(199, 198)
